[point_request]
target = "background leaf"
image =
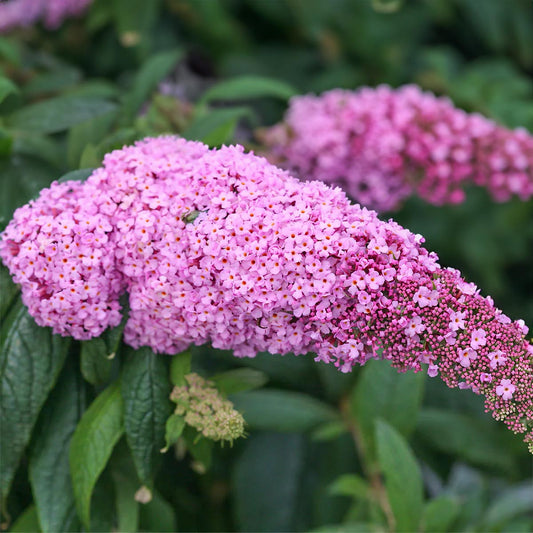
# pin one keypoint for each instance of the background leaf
(30, 361)
(246, 87)
(150, 74)
(266, 480)
(239, 380)
(403, 479)
(58, 114)
(145, 388)
(382, 392)
(92, 443)
(279, 410)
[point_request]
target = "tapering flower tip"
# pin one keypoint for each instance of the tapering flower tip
(220, 246)
(382, 145)
(205, 409)
(21, 13)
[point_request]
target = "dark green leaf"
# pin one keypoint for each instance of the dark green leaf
(48, 463)
(238, 380)
(266, 482)
(30, 361)
(126, 485)
(103, 504)
(8, 291)
(173, 429)
(216, 127)
(350, 485)
(200, 448)
(510, 503)
(58, 114)
(381, 392)
(440, 513)
(146, 390)
(475, 440)
(157, 515)
(50, 82)
(403, 479)
(150, 74)
(7, 87)
(40, 147)
(180, 366)
(92, 443)
(27, 522)
(329, 431)
(76, 175)
(95, 363)
(278, 410)
(89, 132)
(246, 87)
(22, 179)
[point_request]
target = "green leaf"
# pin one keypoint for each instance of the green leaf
(279, 410)
(146, 390)
(440, 513)
(382, 392)
(48, 461)
(89, 132)
(510, 503)
(76, 175)
(7, 87)
(92, 443)
(95, 363)
(126, 485)
(216, 127)
(58, 114)
(8, 291)
(22, 179)
(246, 87)
(90, 157)
(180, 366)
(30, 361)
(157, 515)
(477, 441)
(150, 74)
(174, 427)
(28, 521)
(329, 431)
(238, 380)
(50, 82)
(200, 448)
(403, 479)
(350, 485)
(266, 481)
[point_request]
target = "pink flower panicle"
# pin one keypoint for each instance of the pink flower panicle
(17, 13)
(382, 145)
(220, 246)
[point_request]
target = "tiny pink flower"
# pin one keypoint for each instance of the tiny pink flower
(505, 389)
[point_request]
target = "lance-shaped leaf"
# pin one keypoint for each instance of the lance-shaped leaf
(92, 443)
(49, 465)
(403, 479)
(145, 388)
(30, 361)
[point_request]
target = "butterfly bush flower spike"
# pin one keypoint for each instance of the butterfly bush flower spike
(221, 247)
(382, 145)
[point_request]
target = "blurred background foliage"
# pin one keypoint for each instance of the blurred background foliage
(368, 451)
